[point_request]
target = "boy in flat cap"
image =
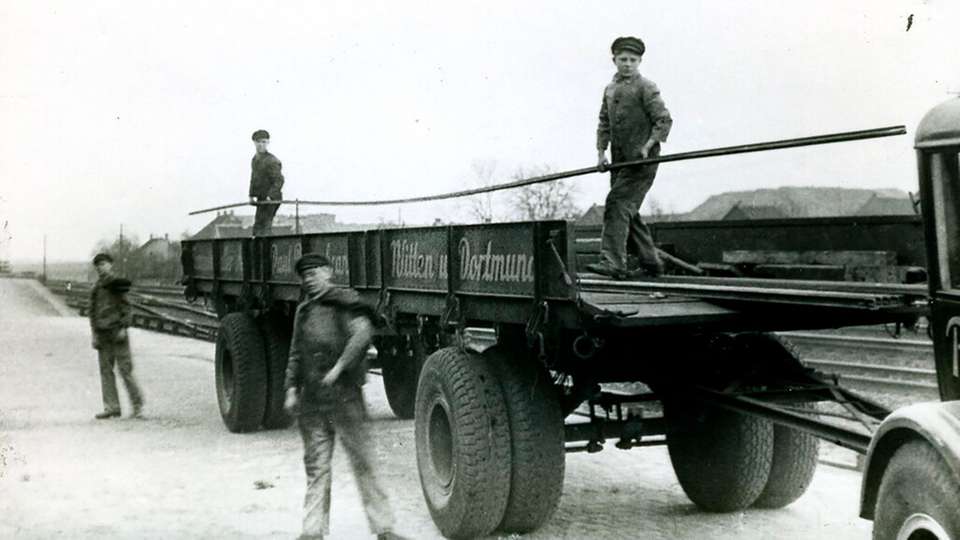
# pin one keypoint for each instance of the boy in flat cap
(633, 122)
(266, 180)
(110, 315)
(326, 369)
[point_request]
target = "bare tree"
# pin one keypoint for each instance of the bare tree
(483, 208)
(548, 200)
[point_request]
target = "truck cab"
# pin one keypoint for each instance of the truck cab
(911, 484)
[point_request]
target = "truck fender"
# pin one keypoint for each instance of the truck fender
(937, 423)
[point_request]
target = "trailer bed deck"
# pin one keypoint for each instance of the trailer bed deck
(731, 302)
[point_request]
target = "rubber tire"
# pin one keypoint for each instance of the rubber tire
(537, 440)
(400, 377)
(277, 352)
(241, 393)
(721, 458)
(795, 455)
(917, 480)
(460, 406)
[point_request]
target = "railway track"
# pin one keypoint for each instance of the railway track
(865, 359)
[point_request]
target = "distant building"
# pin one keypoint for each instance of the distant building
(880, 205)
(753, 211)
(593, 217)
(160, 248)
(230, 225)
(156, 259)
(798, 202)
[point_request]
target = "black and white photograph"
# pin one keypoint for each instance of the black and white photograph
(493, 270)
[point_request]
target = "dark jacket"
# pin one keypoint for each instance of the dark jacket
(320, 334)
(109, 308)
(631, 113)
(266, 178)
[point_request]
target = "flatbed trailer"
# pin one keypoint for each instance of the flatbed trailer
(734, 405)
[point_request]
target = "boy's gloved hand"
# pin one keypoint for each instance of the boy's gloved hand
(602, 162)
(291, 402)
(645, 149)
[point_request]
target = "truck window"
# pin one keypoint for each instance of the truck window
(946, 194)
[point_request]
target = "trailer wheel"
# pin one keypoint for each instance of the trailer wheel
(794, 462)
(463, 443)
(721, 458)
(241, 373)
(537, 440)
(277, 350)
(400, 374)
(918, 496)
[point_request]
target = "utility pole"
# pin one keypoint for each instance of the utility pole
(43, 276)
(123, 253)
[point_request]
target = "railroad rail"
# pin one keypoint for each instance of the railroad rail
(177, 317)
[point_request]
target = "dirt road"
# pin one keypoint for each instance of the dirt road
(179, 474)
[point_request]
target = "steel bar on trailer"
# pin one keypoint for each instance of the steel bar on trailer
(697, 154)
(858, 442)
(809, 297)
(918, 290)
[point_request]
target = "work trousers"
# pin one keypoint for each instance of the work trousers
(319, 429)
(263, 219)
(116, 354)
(621, 218)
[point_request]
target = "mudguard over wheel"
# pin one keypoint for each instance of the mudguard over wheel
(400, 375)
(537, 440)
(721, 458)
(918, 496)
(277, 350)
(463, 443)
(241, 373)
(794, 462)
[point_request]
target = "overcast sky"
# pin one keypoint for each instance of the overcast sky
(135, 113)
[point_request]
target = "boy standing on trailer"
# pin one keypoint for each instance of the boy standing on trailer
(325, 372)
(633, 122)
(266, 180)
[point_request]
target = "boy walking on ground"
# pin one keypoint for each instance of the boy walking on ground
(110, 316)
(325, 372)
(633, 122)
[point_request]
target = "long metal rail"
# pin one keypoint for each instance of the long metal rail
(681, 156)
(721, 290)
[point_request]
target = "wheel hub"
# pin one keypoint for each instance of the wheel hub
(440, 437)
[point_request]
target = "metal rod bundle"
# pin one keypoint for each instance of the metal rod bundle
(713, 152)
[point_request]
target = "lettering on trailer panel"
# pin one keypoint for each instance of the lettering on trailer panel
(410, 262)
(417, 259)
(282, 257)
(494, 266)
(334, 249)
(231, 260)
(497, 260)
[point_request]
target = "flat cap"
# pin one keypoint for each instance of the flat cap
(310, 260)
(628, 43)
(102, 257)
(260, 134)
